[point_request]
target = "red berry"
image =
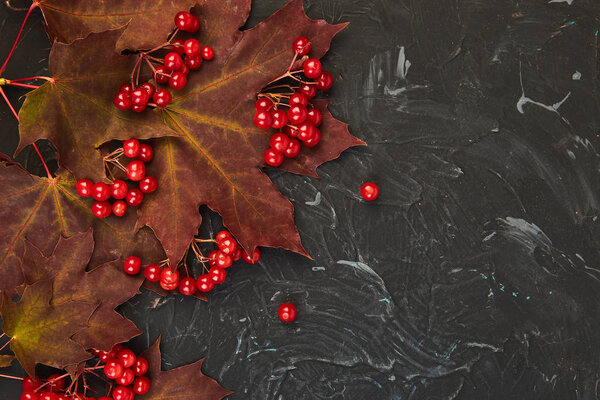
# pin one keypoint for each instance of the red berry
(119, 208)
(217, 275)
(177, 80)
(279, 142)
(208, 53)
(30, 384)
(161, 75)
(29, 395)
(291, 131)
(312, 68)
(100, 191)
(369, 191)
(325, 81)
(116, 349)
(314, 140)
(141, 366)
(255, 256)
(192, 47)
(152, 272)
(113, 369)
(299, 99)
(101, 209)
(187, 286)
(169, 276)
(148, 184)
(133, 266)
(104, 356)
(127, 378)
(273, 157)
(287, 312)
(297, 114)
(162, 98)
(134, 197)
(263, 119)
(139, 99)
(84, 187)
(126, 356)
(141, 385)
(222, 235)
(264, 104)
(309, 91)
(183, 20)
(301, 46)
(293, 148)
(212, 258)
(173, 61)
(306, 130)
(146, 151)
(177, 46)
(168, 286)
(228, 246)
(56, 382)
(122, 393)
(222, 260)
(148, 87)
(315, 116)
(205, 284)
(195, 24)
(136, 170)
(237, 254)
(126, 88)
(279, 119)
(194, 62)
(131, 148)
(122, 101)
(118, 189)
(48, 396)
(185, 69)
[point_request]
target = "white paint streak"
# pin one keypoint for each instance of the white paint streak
(577, 76)
(569, 2)
(316, 201)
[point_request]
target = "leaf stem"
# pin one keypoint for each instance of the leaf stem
(25, 85)
(32, 78)
(11, 377)
(6, 344)
(12, 50)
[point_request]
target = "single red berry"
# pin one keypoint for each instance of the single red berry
(146, 151)
(255, 256)
(29, 395)
(222, 260)
(217, 275)
(127, 378)
(273, 157)
(193, 62)
(139, 99)
(113, 369)
(177, 46)
(168, 286)
(138, 108)
(133, 266)
(101, 209)
(325, 81)
(116, 349)
(84, 187)
(279, 119)
(312, 68)
(369, 191)
(279, 142)
(126, 88)
(136, 170)
(212, 258)
(148, 87)
(205, 284)
(56, 382)
(187, 286)
(173, 61)
(126, 356)
(314, 116)
(264, 104)
(185, 69)
(152, 272)
(237, 254)
(118, 189)
(131, 148)
(177, 80)
(306, 130)
(183, 20)
(297, 114)
(298, 99)
(291, 131)
(122, 101)
(169, 276)
(162, 98)
(161, 75)
(228, 246)
(301, 46)
(195, 24)
(141, 385)
(119, 208)
(222, 235)
(134, 197)
(263, 119)
(148, 184)
(104, 356)
(48, 396)
(309, 91)
(192, 47)
(293, 148)
(208, 53)
(314, 140)
(141, 366)
(122, 393)
(287, 312)
(30, 384)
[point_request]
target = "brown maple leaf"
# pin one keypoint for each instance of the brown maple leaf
(41, 332)
(6, 360)
(183, 383)
(106, 285)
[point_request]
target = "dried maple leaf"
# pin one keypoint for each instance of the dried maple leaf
(6, 360)
(68, 20)
(106, 285)
(183, 383)
(40, 331)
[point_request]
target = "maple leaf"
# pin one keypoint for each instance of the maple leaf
(69, 20)
(106, 285)
(41, 332)
(6, 360)
(183, 383)
(42, 210)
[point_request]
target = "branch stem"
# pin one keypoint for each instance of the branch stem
(14, 46)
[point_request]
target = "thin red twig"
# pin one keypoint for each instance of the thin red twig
(11, 377)
(25, 85)
(14, 46)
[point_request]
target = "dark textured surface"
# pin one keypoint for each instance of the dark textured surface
(475, 275)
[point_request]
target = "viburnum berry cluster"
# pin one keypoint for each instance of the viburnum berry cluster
(287, 107)
(228, 252)
(123, 196)
(172, 69)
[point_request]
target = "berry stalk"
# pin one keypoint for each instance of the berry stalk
(14, 46)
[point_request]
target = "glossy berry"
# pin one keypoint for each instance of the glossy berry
(118, 189)
(141, 366)
(152, 272)
(136, 170)
(148, 184)
(306, 130)
(279, 142)
(255, 256)
(192, 47)
(104, 356)
(297, 114)
(162, 98)
(126, 88)
(146, 152)
(127, 378)
(217, 275)
(301, 46)
(30, 384)
(122, 393)
(299, 99)
(168, 286)
(148, 87)
(205, 284)
(169, 276)
(314, 140)
(183, 20)
(100, 191)
(134, 197)
(193, 62)
(369, 191)
(113, 369)
(177, 80)
(324, 81)
(122, 101)
(315, 116)
(48, 396)
(187, 286)
(279, 119)
(290, 131)
(29, 395)
(228, 246)
(139, 98)
(55, 383)
(119, 208)
(133, 266)
(263, 119)
(293, 148)
(131, 148)
(177, 46)
(273, 157)
(222, 260)
(185, 69)
(264, 104)
(287, 312)
(141, 385)
(208, 53)
(101, 209)
(237, 254)
(223, 235)
(161, 75)
(84, 187)
(312, 68)
(195, 24)
(127, 357)
(309, 91)
(173, 61)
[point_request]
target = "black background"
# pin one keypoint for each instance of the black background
(474, 275)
